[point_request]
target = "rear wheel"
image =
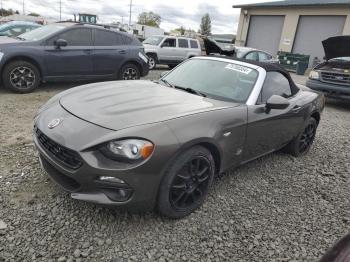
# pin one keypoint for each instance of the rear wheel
(21, 77)
(186, 184)
(130, 72)
(302, 143)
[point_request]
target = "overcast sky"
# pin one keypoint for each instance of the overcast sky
(174, 14)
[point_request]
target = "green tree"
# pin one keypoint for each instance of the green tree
(205, 27)
(6, 12)
(33, 14)
(149, 18)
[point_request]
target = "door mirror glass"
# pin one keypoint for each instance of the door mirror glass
(60, 43)
(277, 102)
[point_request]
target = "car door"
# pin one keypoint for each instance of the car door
(269, 130)
(183, 49)
(109, 52)
(75, 59)
(168, 50)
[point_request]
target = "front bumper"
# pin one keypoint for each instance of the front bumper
(329, 89)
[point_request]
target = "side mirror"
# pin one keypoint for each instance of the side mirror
(276, 102)
(60, 43)
(163, 73)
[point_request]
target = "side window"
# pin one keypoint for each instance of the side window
(275, 84)
(183, 43)
(169, 42)
(252, 56)
(75, 37)
(106, 38)
(194, 44)
(264, 57)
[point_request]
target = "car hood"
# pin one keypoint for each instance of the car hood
(212, 47)
(8, 40)
(122, 104)
(338, 46)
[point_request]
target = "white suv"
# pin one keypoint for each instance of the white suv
(170, 50)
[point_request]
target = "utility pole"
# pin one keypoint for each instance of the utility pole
(23, 11)
(60, 10)
(130, 13)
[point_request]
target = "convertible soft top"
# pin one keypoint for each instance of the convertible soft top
(269, 67)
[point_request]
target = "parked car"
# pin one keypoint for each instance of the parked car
(333, 76)
(69, 51)
(16, 28)
(213, 47)
(159, 144)
(170, 50)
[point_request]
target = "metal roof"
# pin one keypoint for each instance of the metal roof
(291, 3)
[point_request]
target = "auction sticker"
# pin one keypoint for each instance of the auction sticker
(238, 68)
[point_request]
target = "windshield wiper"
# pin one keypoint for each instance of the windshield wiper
(167, 83)
(190, 90)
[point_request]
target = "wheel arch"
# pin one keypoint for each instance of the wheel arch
(154, 54)
(316, 115)
(27, 59)
(137, 64)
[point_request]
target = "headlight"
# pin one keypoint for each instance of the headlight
(314, 75)
(128, 150)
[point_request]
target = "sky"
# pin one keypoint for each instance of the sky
(186, 13)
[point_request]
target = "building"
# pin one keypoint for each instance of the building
(145, 31)
(297, 26)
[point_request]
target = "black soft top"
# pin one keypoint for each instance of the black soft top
(269, 67)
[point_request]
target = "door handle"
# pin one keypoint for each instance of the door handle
(296, 109)
(122, 52)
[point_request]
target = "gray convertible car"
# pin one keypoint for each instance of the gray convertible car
(148, 145)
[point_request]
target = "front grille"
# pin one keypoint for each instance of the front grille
(65, 156)
(335, 78)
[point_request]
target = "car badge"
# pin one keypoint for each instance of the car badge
(55, 122)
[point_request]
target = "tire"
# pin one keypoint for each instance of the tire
(182, 191)
(21, 77)
(130, 72)
(301, 144)
(152, 61)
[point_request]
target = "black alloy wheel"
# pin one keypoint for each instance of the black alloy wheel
(190, 184)
(307, 137)
(186, 183)
(21, 76)
(130, 72)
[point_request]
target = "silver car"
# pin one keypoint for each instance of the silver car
(170, 50)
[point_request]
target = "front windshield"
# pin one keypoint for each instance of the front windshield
(4, 27)
(42, 32)
(153, 40)
(216, 79)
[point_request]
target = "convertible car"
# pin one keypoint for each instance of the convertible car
(148, 145)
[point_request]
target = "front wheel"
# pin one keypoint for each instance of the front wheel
(21, 77)
(302, 143)
(152, 62)
(130, 72)
(186, 183)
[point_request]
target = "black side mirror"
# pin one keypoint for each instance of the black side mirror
(276, 102)
(60, 43)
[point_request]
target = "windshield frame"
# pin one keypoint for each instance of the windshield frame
(257, 86)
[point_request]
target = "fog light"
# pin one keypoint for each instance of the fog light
(111, 179)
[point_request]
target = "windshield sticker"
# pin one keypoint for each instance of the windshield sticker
(238, 68)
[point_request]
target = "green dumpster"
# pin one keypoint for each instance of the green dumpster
(301, 67)
(290, 61)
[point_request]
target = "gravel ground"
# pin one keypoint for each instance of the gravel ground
(278, 208)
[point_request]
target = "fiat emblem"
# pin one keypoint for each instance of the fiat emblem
(54, 123)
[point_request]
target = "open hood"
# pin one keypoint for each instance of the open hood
(337, 46)
(212, 47)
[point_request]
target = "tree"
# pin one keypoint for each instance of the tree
(149, 18)
(6, 12)
(205, 27)
(34, 14)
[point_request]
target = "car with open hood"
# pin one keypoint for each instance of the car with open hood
(148, 145)
(241, 52)
(332, 77)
